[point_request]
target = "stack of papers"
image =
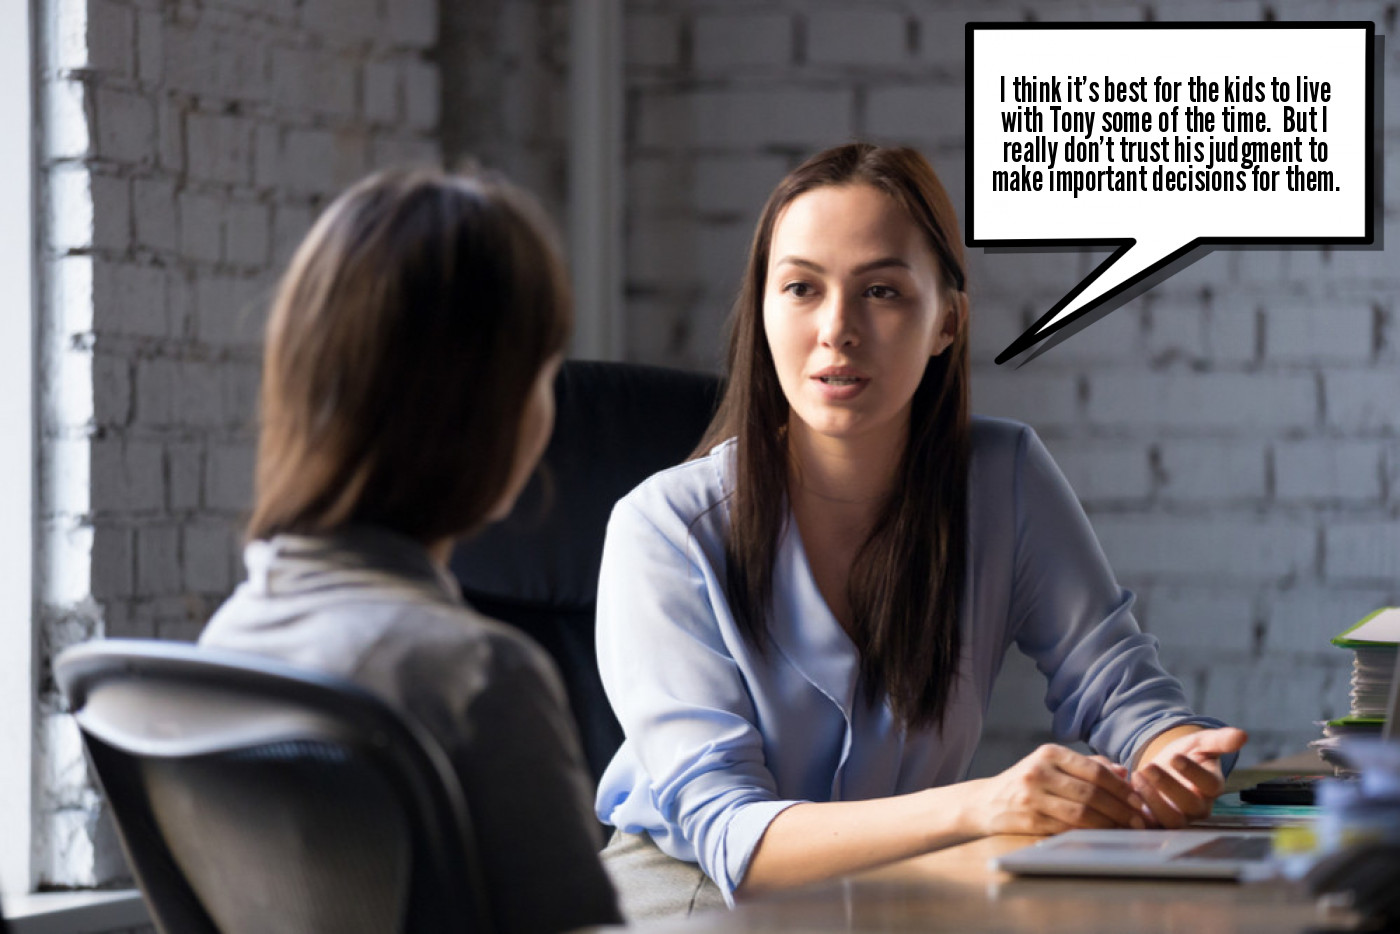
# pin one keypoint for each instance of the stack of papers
(1374, 642)
(1370, 682)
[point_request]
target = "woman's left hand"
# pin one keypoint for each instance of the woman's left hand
(1179, 776)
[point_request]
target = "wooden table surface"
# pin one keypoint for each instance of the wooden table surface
(955, 890)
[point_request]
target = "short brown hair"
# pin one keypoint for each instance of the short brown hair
(402, 344)
(906, 583)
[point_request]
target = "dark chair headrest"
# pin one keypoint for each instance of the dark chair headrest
(615, 425)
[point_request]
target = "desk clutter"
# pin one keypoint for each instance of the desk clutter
(1356, 853)
(1373, 642)
(1340, 835)
(1353, 848)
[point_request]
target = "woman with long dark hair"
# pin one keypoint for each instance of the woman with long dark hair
(800, 627)
(407, 395)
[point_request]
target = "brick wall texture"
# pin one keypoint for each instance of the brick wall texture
(1234, 434)
(187, 147)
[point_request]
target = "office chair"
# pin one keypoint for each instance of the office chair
(615, 425)
(254, 797)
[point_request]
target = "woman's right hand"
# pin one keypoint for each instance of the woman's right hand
(1052, 790)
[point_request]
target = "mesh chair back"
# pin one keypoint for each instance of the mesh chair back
(335, 820)
(615, 425)
(253, 797)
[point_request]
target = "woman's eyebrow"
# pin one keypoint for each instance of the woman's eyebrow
(884, 262)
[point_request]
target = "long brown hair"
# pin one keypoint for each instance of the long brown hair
(906, 582)
(401, 348)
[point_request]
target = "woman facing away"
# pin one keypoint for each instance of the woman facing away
(800, 627)
(407, 395)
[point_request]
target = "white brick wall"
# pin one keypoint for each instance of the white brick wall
(186, 149)
(218, 148)
(931, 115)
(1327, 330)
(735, 185)
(1206, 549)
(1053, 399)
(1213, 622)
(1330, 470)
(201, 226)
(1214, 471)
(1280, 692)
(1106, 471)
(1363, 551)
(1218, 402)
(1232, 334)
(1363, 400)
(1303, 619)
(733, 118)
(868, 37)
(381, 84)
(724, 41)
(1232, 433)
(309, 80)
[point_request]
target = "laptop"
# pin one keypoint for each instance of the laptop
(1239, 855)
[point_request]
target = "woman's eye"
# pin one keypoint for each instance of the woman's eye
(882, 291)
(798, 289)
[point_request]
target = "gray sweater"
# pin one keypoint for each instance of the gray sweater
(370, 606)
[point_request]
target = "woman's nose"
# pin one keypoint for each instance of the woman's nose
(839, 321)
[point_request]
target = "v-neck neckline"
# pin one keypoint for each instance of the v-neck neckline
(804, 628)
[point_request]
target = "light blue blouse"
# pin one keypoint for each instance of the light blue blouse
(721, 738)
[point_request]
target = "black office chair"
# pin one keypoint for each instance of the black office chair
(253, 797)
(616, 424)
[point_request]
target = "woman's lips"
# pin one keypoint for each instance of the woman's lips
(836, 386)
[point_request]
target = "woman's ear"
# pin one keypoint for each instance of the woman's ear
(954, 321)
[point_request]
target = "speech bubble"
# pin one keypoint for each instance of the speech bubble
(1166, 141)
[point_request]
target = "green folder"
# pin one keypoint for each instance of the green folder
(1345, 640)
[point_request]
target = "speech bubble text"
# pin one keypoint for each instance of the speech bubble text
(1166, 141)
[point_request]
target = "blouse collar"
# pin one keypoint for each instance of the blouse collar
(295, 564)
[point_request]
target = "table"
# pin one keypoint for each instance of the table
(954, 890)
